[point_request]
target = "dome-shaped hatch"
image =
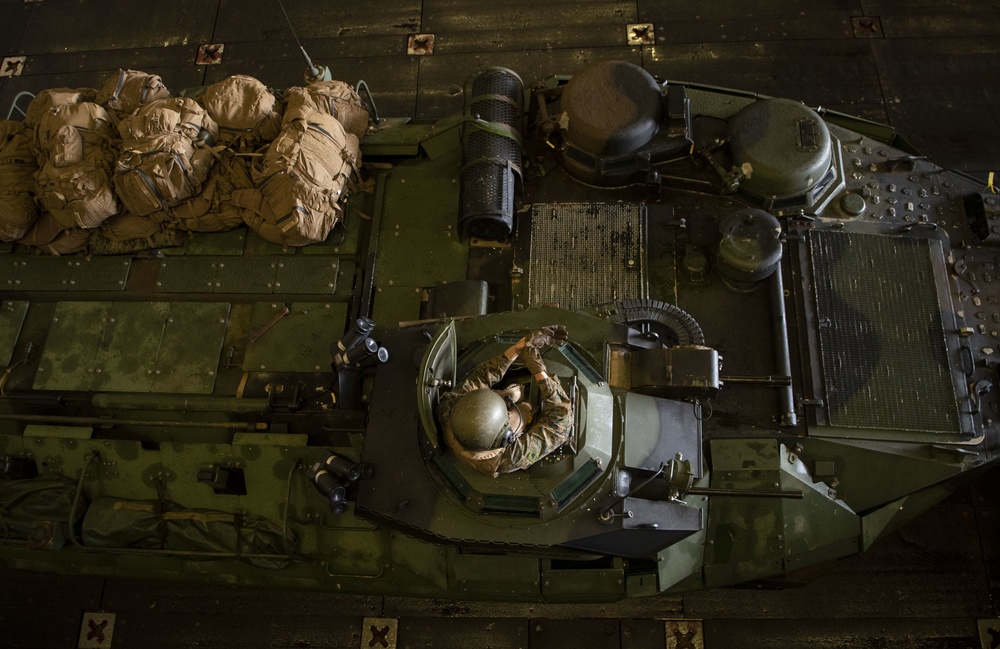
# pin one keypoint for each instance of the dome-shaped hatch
(613, 107)
(787, 145)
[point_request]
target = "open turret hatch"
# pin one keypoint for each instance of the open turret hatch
(552, 483)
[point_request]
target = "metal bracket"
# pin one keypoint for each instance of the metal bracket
(379, 632)
(12, 66)
(420, 44)
(989, 633)
(96, 631)
(209, 53)
(685, 634)
(867, 27)
(641, 34)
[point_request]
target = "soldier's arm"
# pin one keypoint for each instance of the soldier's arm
(489, 373)
(485, 375)
(546, 434)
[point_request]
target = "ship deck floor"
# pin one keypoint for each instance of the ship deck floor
(928, 68)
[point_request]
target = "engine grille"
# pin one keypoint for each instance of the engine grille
(585, 254)
(883, 347)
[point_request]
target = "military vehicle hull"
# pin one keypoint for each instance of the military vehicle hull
(782, 347)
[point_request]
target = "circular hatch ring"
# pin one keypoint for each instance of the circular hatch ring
(673, 325)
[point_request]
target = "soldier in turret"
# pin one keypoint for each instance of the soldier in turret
(493, 431)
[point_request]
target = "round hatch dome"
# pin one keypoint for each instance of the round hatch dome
(787, 145)
(613, 107)
(750, 249)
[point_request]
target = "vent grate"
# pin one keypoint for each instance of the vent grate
(882, 341)
(586, 254)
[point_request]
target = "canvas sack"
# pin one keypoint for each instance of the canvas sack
(124, 92)
(335, 98)
(18, 210)
(75, 145)
(306, 172)
(248, 114)
(165, 158)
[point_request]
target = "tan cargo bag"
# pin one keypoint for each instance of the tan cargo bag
(209, 211)
(334, 98)
(18, 210)
(164, 159)
(124, 92)
(248, 114)
(172, 115)
(306, 172)
(51, 97)
(49, 235)
(75, 145)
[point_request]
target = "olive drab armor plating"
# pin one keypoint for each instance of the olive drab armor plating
(784, 331)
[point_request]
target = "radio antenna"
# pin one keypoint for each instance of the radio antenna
(312, 71)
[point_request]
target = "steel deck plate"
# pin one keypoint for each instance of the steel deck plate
(297, 342)
(188, 356)
(95, 346)
(881, 371)
(258, 275)
(563, 235)
(82, 27)
(419, 243)
(11, 319)
(65, 273)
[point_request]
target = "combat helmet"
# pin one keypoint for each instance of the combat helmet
(479, 420)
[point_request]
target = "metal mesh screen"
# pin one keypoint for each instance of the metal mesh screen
(496, 81)
(882, 341)
(486, 147)
(491, 152)
(585, 254)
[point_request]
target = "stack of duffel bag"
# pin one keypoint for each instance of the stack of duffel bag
(165, 156)
(128, 167)
(308, 169)
(74, 143)
(18, 210)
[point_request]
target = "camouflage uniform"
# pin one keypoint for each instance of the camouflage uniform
(547, 432)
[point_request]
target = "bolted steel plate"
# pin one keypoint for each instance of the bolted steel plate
(11, 318)
(133, 347)
(298, 341)
(96, 631)
(379, 632)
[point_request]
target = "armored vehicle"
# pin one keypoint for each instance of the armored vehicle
(783, 340)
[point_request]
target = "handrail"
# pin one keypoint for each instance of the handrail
(14, 106)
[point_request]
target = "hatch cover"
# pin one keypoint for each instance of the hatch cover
(882, 340)
(585, 254)
(298, 341)
(12, 314)
(301, 274)
(168, 347)
(71, 273)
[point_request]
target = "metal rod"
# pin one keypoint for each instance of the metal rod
(313, 70)
(784, 368)
(746, 493)
(99, 421)
(267, 326)
(177, 403)
(774, 381)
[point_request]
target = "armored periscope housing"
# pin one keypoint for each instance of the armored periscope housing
(782, 332)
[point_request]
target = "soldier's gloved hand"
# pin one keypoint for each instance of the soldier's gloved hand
(551, 335)
(533, 360)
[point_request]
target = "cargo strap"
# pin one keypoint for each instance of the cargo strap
(496, 128)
